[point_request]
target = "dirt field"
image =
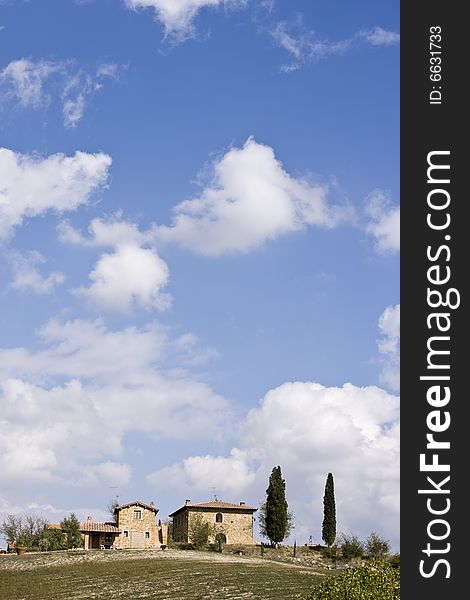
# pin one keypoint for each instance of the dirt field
(156, 575)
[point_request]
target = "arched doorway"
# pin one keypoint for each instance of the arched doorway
(221, 538)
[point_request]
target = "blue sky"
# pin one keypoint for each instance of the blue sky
(199, 225)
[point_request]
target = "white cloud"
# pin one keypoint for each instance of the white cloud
(130, 275)
(380, 37)
(304, 46)
(35, 84)
(32, 185)
(24, 80)
(389, 346)
(311, 430)
(111, 232)
(231, 474)
(177, 16)
(26, 276)
(384, 224)
(251, 199)
(67, 407)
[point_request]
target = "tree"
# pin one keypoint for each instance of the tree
(328, 533)
(111, 506)
(199, 531)
(71, 528)
(377, 547)
(275, 520)
(12, 527)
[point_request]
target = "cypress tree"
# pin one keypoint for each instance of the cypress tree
(276, 508)
(328, 533)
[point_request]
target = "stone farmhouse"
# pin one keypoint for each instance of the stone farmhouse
(231, 523)
(134, 527)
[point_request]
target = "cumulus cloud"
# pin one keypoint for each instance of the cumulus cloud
(304, 46)
(384, 221)
(389, 346)
(310, 430)
(250, 199)
(35, 84)
(230, 474)
(132, 274)
(177, 16)
(32, 185)
(85, 380)
(27, 277)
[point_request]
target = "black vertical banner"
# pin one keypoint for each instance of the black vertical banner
(434, 347)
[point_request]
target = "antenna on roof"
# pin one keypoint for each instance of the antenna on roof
(214, 490)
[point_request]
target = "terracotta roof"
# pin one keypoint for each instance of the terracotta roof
(54, 526)
(99, 527)
(216, 505)
(137, 503)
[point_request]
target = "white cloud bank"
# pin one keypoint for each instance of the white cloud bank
(250, 199)
(67, 407)
(32, 185)
(311, 430)
(384, 222)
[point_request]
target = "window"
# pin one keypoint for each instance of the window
(126, 534)
(108, 538)
(147, 534)
(137, 514)
(218, 518)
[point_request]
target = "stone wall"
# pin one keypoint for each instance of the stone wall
(140, 532)
(236, 525)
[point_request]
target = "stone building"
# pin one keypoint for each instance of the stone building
(230, 523)
(134, 527)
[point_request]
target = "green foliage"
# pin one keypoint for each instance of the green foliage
(27, 531)
(275, 520)
(332, 552)
(375, 581)
(351, 546)
(329, 512)
(71, 527)
(53, 539)
(377, 547)
(394, 560)
(11, 527)
(199, 531)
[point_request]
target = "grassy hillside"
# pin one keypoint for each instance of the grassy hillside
(169, 575)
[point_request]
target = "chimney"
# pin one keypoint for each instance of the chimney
(242, 503)
(186, 502)
(89, 518)
(152, 503)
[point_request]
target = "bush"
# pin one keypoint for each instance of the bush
(394, 560)
(332, 552)
(351, 546)
(377, 547)
(375, 581)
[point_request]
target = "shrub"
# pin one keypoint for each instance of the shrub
(394, 560)
(332, 552)
(374, 581)
(377, 547)
(351, 546)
